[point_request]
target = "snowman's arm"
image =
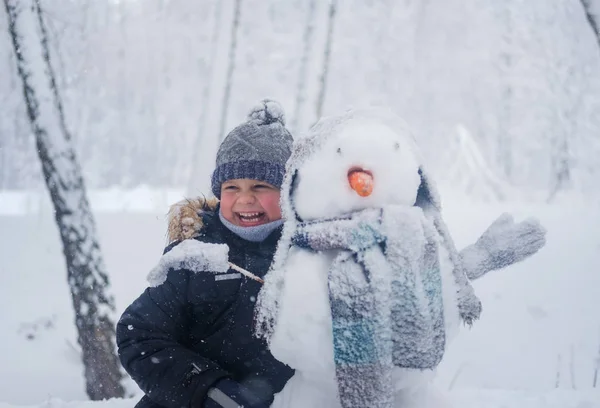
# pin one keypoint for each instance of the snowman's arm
(502, 244)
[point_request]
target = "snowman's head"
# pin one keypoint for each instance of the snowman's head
(373, 143)
(363, 163)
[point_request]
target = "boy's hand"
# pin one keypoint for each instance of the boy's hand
(229, 394)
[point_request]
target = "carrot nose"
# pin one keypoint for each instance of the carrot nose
(361, 181)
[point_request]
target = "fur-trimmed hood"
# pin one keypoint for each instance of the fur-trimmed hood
(185, 217)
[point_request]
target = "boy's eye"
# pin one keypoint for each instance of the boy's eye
(230, 187)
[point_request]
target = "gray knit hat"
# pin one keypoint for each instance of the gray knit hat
(257, 149)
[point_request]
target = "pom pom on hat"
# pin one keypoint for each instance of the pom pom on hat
(266, 112)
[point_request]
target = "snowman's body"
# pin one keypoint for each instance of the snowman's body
(296, 300)
(303, 337)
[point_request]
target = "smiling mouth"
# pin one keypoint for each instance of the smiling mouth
(251, 218)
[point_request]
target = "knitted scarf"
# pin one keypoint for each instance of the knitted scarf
(385, 299)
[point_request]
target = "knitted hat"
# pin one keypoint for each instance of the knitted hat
(257, 149)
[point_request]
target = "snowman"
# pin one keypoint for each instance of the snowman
(366, 289)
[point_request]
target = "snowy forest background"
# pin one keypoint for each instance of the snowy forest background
(144, 83)
(503, 96)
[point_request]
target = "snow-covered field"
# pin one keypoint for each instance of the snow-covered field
(463, 398)
(537, 344)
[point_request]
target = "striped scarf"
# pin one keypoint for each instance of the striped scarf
(385, 299)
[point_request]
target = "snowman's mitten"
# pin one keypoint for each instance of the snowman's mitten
(362, 230)
(502, 244)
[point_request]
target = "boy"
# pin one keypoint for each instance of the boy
(189, 342)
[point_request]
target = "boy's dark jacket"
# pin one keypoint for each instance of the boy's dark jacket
(179, 338)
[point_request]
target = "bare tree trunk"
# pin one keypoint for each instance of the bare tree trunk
(301, 88)
(561, 168)
(591, 18)
(122, 171)
(85, 267)
(596, 369)
(331, 20)
(231, 66)
(206, 95)
(506, 134)
(558, 367)
(4, 163)
(572, 367)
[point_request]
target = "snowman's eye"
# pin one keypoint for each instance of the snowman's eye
(339, 151)
(396, 146)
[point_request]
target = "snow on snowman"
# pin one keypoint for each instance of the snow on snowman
(367, 288)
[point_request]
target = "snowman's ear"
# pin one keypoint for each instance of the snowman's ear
(424, 196)
(427, 195)
(293, 183)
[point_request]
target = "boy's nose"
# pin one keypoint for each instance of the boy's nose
(246, 198)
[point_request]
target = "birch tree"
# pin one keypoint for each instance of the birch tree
(307, 40)
(593, 16)
(505, 115)
(206, 97)
(231, 67)
(327, 58)
(89, 284)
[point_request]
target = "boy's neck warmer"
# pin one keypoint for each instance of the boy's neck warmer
(253, 234)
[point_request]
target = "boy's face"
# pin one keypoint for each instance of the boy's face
(248, 203)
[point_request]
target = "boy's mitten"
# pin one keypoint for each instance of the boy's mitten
(502, 244)
(228, 393)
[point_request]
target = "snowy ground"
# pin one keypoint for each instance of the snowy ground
(460, 398)
(540, 326)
